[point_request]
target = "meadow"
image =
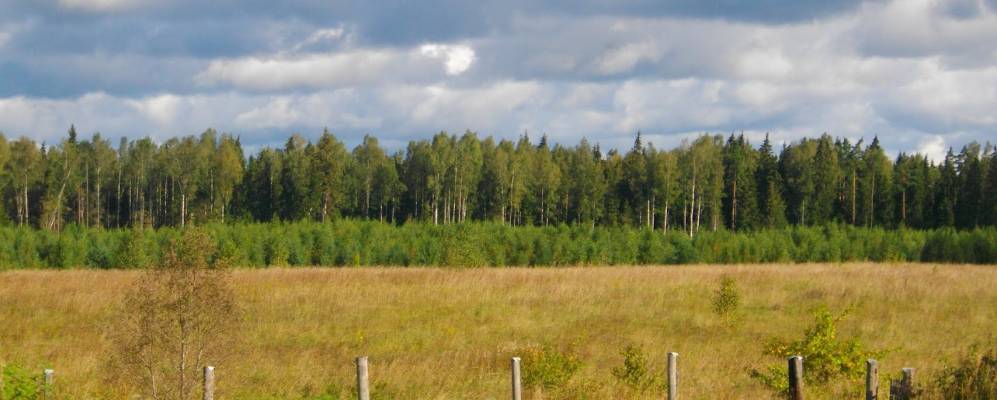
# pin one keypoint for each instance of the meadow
(436, 333)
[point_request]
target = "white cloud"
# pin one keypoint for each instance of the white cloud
(327, 35)
(457, 58)
(346, 68)
(276, 113)
(767, 64)
(103, 5)
(933, 147)
(162, 109)
(325, 70)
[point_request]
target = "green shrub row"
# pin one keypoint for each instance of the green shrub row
(353, 242)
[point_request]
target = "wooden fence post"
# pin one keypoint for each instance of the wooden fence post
(363, 387)
(673, 376)
(796, 377)
(871, 380)
(903, 390)
(907, 382)
(48, 378)
(209, 383)
(517, 383)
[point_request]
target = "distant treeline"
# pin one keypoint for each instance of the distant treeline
(355, 242)
(709, 183)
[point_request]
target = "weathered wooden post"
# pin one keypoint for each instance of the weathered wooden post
(209, 383)
(673, 376)
(796, 378)
(517, 383)
(903, 390)
(48, 378)
(907, 383)
(363, 387)
(871, 380)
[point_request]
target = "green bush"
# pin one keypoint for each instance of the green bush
(825, 356)
(18, 384)
(635, 372)
(548, 367)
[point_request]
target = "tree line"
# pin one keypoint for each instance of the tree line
(709, 183)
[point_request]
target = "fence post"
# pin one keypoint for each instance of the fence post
(871, 380)
(796, 378)
(1, 380)
(673, 376)
(363, 387)
(517, 383)
(209, 383)
(48, 378)
(903, 390)
(907, 382)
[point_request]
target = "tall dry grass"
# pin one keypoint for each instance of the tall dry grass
(448, 334)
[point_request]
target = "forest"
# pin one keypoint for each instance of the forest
(709, 183)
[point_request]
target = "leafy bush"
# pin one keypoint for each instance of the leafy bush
(547, 367)
(825, 356)
(634, 372)
(18, 384)
(975, 377)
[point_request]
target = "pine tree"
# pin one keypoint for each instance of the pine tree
(825, 177)
(797, 170)
(769, 184)
(876, 186)
(990, 193)
(634, 187)
(970, 184)
(740, 207)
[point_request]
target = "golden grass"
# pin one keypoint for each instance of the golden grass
(448, 334)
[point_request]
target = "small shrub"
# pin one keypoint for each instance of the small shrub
(825, 357)
(548, 367)
(727, 298)
(18, 384)
(975, 377)
(634, 371)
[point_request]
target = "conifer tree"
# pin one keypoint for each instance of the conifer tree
(769, 184)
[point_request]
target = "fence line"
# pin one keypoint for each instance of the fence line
(903, 389)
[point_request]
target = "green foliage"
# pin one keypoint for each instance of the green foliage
(548, 367)
(18, 384)
(974, 377)
(345, 242)
(825, 356)
(727, 298)
(635, 372)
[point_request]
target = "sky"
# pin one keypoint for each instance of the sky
(919, 74)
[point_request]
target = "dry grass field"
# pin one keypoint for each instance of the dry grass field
(448, 333)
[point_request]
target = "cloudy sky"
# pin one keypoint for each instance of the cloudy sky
(920, 74)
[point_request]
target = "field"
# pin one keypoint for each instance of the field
(449, 333)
